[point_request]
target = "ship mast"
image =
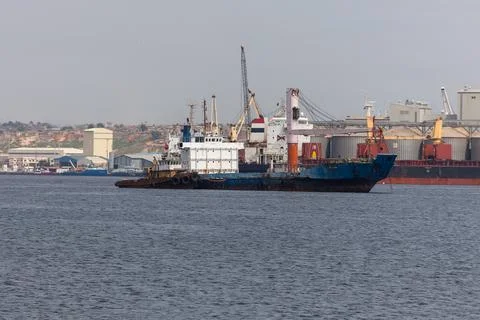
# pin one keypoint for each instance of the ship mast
(213, 117)
(204, 117)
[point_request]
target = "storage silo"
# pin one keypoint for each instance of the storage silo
(475, 148)
(459, 147)
(405, 142)
(405, 149)
(345, 146)
(458, 138)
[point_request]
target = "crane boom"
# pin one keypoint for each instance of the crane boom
(437, 131)
(236, 128)
(246, 106)
(253, 102)
(447, 108)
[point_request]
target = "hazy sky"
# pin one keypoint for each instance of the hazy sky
(71, 62)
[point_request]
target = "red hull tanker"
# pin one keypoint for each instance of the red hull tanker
(434, 172)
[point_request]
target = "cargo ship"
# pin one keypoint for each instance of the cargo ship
(435, 172)
(429, 159)
(330, 176)
(211, 163)
(436, 166)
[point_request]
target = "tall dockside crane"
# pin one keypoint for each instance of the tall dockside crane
(447, 108)
(246, 101)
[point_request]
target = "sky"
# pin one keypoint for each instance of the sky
(74, 62)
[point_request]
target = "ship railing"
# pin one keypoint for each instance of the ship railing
(438, 163)
(332, 161)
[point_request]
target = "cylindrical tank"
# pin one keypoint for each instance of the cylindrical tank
(405, 149)
(459, 147)
(344, 146)
(475, 148)
(324, 141)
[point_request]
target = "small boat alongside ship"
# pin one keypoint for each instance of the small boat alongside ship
(212, 163)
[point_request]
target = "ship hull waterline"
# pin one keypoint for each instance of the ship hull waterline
(432, 181)
(337, 176)
(435, 173)
(260, 184)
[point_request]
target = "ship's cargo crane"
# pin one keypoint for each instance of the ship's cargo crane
(437, 131)
(375, 142)
(447, 108)
(434, 148)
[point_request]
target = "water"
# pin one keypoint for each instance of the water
(79, 248)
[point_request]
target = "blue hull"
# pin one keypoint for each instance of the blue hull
(87, 173)
(330, 176)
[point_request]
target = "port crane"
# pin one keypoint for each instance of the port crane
(248, 102)
(237, 127)
(447, 108)
(243, 61)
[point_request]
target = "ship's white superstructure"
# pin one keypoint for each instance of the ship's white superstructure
(277, 137)
(213, 155)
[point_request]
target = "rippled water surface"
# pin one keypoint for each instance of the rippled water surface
(78, 248)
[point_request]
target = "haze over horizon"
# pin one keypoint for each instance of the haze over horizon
(129, 62)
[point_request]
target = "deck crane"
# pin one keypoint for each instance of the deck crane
(437, 131)
(447, 108)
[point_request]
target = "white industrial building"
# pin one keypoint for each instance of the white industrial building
(410, 111)
(97, 142)
(469, 104)
(30, 157)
